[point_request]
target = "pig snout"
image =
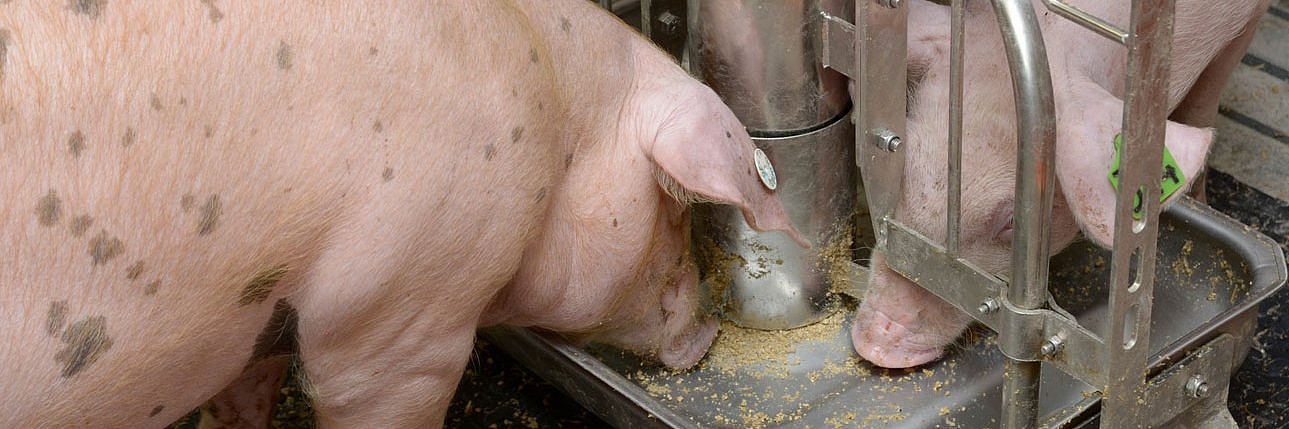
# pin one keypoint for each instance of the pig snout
(901, 325)
(687, 331)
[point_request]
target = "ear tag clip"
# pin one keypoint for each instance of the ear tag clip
(765, 170)
(1169, 183)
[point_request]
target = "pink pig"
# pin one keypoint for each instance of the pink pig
(901, 325)
(389, 177)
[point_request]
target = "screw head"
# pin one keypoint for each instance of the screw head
(670, 23)
(1196, 387)
(990, 306)
(887, 140)
(1052, 346)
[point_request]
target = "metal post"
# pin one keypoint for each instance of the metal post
(1133, 266)
(1035, 187)
(955, 126)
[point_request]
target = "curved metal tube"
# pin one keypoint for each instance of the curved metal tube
(1035, 187)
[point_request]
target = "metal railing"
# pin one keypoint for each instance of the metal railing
(1029, 333)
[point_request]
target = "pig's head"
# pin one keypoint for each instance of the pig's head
(899, 324)
(618, 235)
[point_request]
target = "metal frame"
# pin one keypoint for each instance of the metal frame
(1028, 332)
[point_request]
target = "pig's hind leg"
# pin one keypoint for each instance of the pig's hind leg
(1200, 106)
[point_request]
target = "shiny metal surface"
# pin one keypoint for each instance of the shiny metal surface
(880, 86)
(1132, 268)
(1035, 188)
(771, 282)
(762, 58)
(1089, 21)
(1212, 274)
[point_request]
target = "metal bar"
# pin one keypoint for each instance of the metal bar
(880, 100)
(1087, 20)
(955, 126)
(1133, 267)
(1036, 136)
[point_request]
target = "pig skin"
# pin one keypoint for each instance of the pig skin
(397, 174)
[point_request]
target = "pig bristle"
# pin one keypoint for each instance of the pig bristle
(677, 192)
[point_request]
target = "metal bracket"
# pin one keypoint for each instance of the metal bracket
(837, 41)
(969, 288)
(1194, 389)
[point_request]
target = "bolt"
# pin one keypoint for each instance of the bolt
(670, 22)
(1196, 387)
(1052, 346)
(988, 307)
(887, 140)
(889, 3)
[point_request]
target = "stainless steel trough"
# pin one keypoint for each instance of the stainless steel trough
(1211, 274)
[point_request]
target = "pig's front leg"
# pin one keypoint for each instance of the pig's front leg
(247, 402)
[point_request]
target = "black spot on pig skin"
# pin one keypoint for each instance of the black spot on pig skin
(104, 247)
(49, 209)
(156, 102)
(80, 224)
(489, 151)
(728, 135)
(261, 285)
(516, 134)
(214, 13)
(372, 51)
(387, 175)
(156, 410)
(134, 270)
(129, 137)
(278, 336)
(209, 215)
(283, 56)
(533, 56)
(565, 25)
(615, 222)
(568, 161)
(86, 340)
(378, 127)
(208, 131)
(90, 8)
(186, 202)
(56, 318)
(151, 288)
(76, 143)
(4, 49)
(541, 195)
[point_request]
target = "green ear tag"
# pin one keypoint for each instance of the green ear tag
(1171, 181)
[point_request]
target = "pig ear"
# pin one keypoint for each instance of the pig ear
(702, 153)
(1088, 121)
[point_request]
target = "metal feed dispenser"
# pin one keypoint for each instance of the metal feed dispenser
(1133, 344)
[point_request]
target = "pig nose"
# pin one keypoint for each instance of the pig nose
(887, 343)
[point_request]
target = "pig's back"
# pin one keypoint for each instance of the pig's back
(171, 171)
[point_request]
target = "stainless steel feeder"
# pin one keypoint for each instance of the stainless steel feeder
(762, 59)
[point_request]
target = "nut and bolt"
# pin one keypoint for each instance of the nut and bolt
(1052, 346)
(1196, 387)
(990, 306)
(887, 140)
(670, 23)
(889, 3)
